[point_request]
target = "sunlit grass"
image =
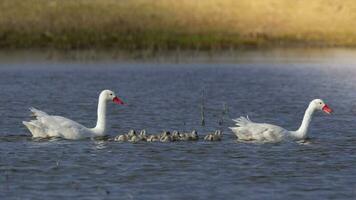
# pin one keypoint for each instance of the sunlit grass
(172, 24)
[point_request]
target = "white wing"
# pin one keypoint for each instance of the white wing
(55, 126)
(248, 130)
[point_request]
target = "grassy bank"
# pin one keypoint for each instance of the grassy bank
(171, 24)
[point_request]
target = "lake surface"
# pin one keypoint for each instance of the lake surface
(166, 94)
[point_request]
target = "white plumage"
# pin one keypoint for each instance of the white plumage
(45, 126)
(246, 130)
(55, 126)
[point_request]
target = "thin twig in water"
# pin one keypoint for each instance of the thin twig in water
(202, 107)
(223, 113)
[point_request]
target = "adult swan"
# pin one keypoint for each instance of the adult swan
(247, 130)
(45, 125)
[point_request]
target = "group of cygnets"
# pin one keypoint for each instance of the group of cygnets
(166, 136)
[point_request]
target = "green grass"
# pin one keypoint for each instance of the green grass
(171, 24)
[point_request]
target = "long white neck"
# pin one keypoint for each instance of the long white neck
(301, 133)
(101, 121)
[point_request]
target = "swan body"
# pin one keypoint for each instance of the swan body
(45, 126)
(247, 130)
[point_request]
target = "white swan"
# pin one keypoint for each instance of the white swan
(45, 125)
(247, 130)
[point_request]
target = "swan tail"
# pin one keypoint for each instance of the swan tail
(35, 129)
(241, 131)
(37, 113)
(242, 121)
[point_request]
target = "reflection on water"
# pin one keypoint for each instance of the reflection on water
(164, 92)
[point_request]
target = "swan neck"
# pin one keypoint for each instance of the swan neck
(101, 121)
(303, 129)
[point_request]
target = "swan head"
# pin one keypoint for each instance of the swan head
(109, 95)
(319, 104)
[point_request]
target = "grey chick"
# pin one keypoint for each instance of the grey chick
(184, 136)
(209, 137)
(216, 136)
(134, 139)
(193, 136)
(131, 133)
(142, 135)
(121, 138)
(165, 137)
(153, 138)
(175, 136)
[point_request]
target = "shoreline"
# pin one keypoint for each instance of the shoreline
(164, 42)
(46, 55)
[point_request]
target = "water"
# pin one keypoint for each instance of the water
(273, 87)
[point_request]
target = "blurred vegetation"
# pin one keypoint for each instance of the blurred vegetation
(176, 24)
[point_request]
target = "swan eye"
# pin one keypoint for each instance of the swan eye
(111, 94)
(320, 103)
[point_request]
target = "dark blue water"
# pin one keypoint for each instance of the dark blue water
(273, 87)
